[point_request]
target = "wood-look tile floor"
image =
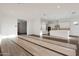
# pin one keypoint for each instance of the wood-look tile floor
(32, 46)
(74, 42)
(9, 48)
(68, 45)
(54, 47)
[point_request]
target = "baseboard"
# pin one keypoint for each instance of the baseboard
(34, 35)
(73, 36)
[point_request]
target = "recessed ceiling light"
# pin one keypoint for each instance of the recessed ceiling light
(75, 23)
(58, 6)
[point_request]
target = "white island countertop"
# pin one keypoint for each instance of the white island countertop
(60, 33)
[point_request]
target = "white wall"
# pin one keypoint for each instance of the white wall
(9, 26)
(29, 27)
(36, 27)
(74, 29)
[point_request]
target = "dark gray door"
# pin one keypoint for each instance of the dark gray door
(22, 27)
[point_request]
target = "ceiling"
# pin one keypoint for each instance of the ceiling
(43, 10)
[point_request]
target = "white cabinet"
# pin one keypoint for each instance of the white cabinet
(60, 33)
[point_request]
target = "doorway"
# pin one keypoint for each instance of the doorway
(22, 27)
